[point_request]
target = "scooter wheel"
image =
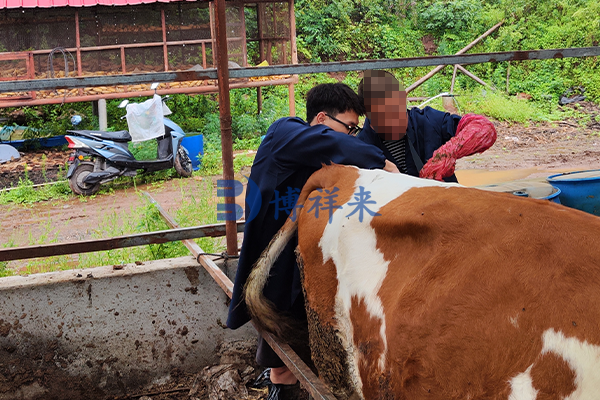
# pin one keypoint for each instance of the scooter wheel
(183, 164)
(76, 180)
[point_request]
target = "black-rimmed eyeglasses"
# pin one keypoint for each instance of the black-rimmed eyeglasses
(352, 130)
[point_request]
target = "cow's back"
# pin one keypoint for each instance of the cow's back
(452, 293)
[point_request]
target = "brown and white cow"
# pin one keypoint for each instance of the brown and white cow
(449, 293)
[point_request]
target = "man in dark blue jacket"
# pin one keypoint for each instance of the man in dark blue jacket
(407, 137)
(290, 152)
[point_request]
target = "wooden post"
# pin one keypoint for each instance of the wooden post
(294, 54)
(164, 36)
(260, 13)
(294, 48)
(258, 100)
(476, 79)
(292, 100)
(244, 38)
(123, 63)
(453, 79)
(78, 45)
(211, 16)
(274, 35)
(507, 76)
(30, 65)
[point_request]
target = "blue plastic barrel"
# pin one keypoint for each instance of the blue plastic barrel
(195, 147)
(580, 190)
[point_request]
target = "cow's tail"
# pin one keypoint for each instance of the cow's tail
(263, 311)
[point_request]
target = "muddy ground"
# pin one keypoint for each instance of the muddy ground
(533, 151)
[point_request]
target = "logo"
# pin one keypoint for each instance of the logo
(234, 188)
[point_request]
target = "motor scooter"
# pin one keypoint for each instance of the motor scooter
(101, 157)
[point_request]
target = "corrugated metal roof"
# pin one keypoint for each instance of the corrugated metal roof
(76, 3)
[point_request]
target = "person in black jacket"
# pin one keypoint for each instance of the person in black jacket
(408, 138)
(290, 152)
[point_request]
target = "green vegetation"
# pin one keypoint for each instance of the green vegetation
(197, 208)
(26, 193)
(359, 29)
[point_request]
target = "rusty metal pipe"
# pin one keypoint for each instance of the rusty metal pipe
(7, 102)
(292, 69)
(225, 116)
(119, 242)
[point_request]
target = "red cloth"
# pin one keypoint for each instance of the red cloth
(474, 134)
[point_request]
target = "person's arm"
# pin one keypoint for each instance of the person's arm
(298, 144)
(475, 134)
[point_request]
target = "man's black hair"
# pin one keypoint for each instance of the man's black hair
(332, 98)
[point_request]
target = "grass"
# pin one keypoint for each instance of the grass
(26, 193)
(197, 208)
(212, 163)
(500, 107)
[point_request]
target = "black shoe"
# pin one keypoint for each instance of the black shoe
(286, 392)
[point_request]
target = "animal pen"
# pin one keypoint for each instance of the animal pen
(56, 39)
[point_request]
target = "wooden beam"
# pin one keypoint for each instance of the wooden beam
(461, 51)
(476, 79)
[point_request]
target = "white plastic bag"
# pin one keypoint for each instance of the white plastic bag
(145, 120)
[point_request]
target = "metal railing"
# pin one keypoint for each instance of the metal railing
(296, 69)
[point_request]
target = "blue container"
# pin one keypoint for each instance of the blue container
(195, 147)
(580, 190)
(527, 188)
(54, 141)
(554, 197)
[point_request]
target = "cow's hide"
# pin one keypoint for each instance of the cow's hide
(448, 293)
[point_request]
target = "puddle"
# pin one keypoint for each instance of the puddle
(478, 177)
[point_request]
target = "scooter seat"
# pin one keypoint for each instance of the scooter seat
(118, 136)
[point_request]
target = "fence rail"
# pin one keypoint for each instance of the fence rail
(119, 242)
(293, 69)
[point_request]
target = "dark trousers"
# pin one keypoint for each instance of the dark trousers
(266, 357)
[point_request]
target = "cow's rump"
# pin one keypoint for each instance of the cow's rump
(440, 291)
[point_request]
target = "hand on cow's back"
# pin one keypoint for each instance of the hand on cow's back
(390, 167)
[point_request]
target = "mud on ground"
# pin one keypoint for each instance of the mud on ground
(569, 144)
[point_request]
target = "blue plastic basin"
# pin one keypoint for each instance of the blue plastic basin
(527, 188)
(194, 146)
(554, 197)
(580, 189)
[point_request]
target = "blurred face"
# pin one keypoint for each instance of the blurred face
(387, 113)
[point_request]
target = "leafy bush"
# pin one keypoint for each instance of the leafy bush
(440, 17)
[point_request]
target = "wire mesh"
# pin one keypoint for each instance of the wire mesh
(156, 37)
